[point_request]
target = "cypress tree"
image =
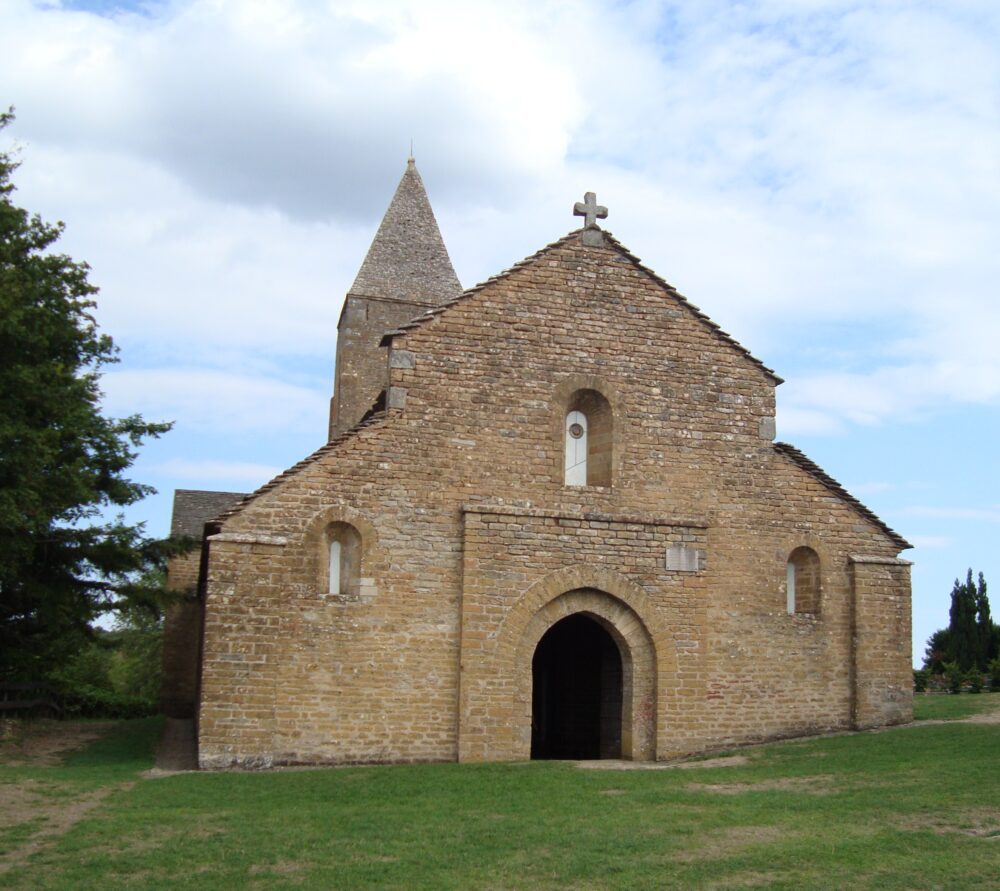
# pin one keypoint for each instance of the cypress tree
(984, 626)
(972, 638)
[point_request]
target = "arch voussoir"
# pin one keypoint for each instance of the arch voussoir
(619, 604)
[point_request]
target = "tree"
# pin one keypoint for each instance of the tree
(62, 463)
(936, 655)
(987, 633)
(971, 640)
(116, 673)
(962, 624)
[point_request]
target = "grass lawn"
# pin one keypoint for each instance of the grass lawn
(915, 807)
(951, 707)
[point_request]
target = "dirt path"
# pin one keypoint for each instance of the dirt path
(42, 810)
(43, 743)
(46, 808)
(992, 717)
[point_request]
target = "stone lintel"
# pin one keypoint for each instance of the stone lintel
(248, 538)
(511, 511)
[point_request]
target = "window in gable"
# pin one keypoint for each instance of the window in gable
(588, 439)
(576, 449)
(802, 582)
(343, 559)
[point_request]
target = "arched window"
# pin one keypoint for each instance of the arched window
(802, 582)
(343, 559)
(588, 440)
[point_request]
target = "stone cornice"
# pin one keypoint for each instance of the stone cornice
(884, 561)
(509, 510)
(248, 538)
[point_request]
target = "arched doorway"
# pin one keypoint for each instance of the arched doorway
(577, 698)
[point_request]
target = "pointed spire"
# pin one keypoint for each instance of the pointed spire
(408, 260)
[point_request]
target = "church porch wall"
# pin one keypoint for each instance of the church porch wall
(516, 564)
(882, 674)
(775, 674)
(242, 622)
(377, 678)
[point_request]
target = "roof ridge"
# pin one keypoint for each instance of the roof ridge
(817, 472)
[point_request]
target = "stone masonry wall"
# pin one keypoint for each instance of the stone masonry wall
(472, 545)
(361, 365)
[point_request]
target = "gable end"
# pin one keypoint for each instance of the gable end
(616, 245)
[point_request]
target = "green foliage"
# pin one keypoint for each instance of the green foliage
(85, 701)
(920, 678)
(994, 670)
(955, 676)
(971, 639)
(117, 673)
(938, 648)
(962, 624)
(62, 463)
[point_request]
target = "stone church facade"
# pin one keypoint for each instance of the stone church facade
(550, 521)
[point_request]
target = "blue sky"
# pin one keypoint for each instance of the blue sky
(822, 177)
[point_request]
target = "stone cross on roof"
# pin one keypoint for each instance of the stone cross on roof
(590, 209)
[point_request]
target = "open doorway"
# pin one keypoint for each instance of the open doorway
(576, 710)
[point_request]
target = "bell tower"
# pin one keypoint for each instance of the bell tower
(406, 271)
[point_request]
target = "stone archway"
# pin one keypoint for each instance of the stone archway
(496, 680)
(637, 651)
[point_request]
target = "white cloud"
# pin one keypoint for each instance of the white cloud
(804, 171)
(205, 400)
(290, 106)
(247, 473)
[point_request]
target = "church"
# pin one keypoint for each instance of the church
(551, 520)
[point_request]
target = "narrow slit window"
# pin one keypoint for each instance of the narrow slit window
(335, 566)
(588, 441)
(576, 449)
(802, 582)
(343, 560)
